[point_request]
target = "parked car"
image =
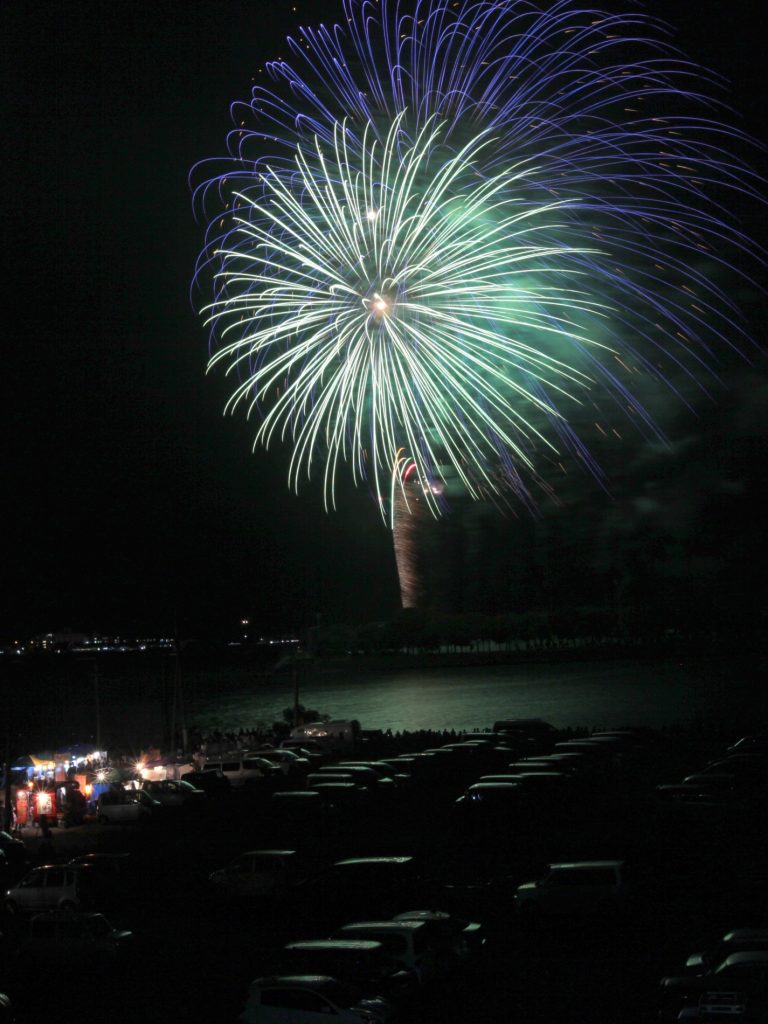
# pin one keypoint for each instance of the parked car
(321, 777)
(211, 780)
(298, 743)
(364, 886)
(259, 873)
(14, 853)
(346, 799)
(566, 764)
(310, 999)
(65, 937)
(593, 749)
(314, 752)
(532, 734)
(368, 776)
(490, 799)
(334, 735)
(577, 887)
(289, 761)
(52, 886)
(735, 941)
(744, 974)
(110, 875)
(719, 782)
(534, 727)
(418, 945)
(126, 807)
(240, 769)
(175, 794)
(756, 742)
(740, 1007)
(466, 938)
(746, 771)
(361, 962)
(392, 771)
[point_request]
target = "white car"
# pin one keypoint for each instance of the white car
(171, 793)
(51, 887)
(126, 806)
(417, 944)
(578, 887)
(464, 938)
(308, 999)
(258, 873)
(288, 760)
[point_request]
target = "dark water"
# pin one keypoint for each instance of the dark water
(575, 694)
(136, 699)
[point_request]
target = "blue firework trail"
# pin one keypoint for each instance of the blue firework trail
(473, 232)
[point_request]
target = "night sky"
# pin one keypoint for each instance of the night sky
(129, 498)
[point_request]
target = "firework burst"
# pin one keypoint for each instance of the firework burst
(465, 231)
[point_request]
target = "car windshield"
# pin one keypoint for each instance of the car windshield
(99, 925)
(342, 995)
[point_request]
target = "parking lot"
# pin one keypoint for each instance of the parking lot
(694, 869)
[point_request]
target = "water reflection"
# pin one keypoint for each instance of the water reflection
(605, 694)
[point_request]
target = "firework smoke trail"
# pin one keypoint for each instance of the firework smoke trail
(408, 505)
(459, 230)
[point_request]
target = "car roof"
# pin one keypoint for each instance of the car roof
(67, 915)
(95, 857)
(499, 787)
(372, 860)
(317, 982)
(746, 935)
(342, 945)
(754, 956)
(384, 926)
(587, 864)
(268, 853)
(61, 867)
(700, 777)
(423, 915)
(541, 775)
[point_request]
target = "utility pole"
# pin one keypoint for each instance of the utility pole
(295, 690)
(178, 692)
(96, 702)
(7, 810)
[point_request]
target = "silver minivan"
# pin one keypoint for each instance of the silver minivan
(240, 769)
(52, 887)
(126, 806)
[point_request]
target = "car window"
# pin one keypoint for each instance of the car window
(69, 930)
(44, 929)
(56, 877)
(587, 876)
(744, 970)
(396, 945)
(598, 876)
(296, 999)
